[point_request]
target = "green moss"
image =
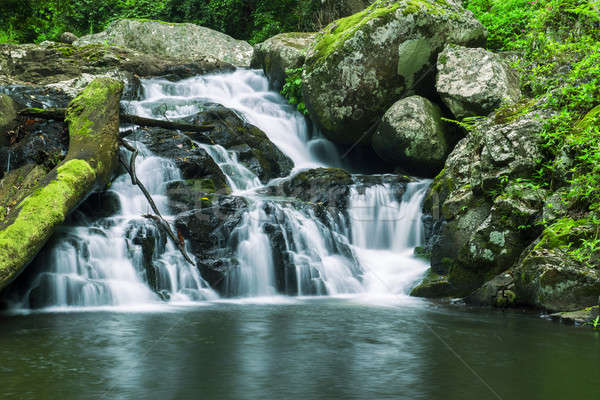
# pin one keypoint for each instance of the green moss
(510, 112)
(90, 101)
(591, 118)
(39, 213)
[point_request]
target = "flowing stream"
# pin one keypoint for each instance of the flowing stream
(366, 249)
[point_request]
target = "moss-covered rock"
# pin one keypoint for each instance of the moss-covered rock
(412, 135)
(358, 66)
(94, 128)
(279, 53)
(178, 41)
(433, 286)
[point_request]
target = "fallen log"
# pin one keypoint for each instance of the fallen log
(93, 120)
(58, 114)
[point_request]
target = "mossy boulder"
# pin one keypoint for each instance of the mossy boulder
(176, 41)
(279, 53)
(358, 66)
(412, 135)
(432, 286)
(475, 82)
(93, 119)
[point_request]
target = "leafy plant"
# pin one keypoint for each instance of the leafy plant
(292, 89)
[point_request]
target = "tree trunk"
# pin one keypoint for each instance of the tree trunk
(93, 119)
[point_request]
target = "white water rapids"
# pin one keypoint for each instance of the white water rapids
(367, 250)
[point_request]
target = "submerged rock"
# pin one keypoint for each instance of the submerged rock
(475, 82)
(358, 66)
(176, 41)
(412, 135)
(279, 53)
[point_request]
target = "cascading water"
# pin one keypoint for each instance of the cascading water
(364, 249)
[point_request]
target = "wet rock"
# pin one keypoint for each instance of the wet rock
(497, 292)
(413, 136)
(252, 145)
(177, 41)
(39, 142)
(358, 66)
(432, 286)
(193, 161)
(101, 205)
(208, 231)
(329, 187)
(146, 242)
(279, 53)
(475, 81)
(586, 316)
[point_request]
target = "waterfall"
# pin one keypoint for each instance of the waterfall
(280, 246)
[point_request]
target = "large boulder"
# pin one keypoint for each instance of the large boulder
(177, 41)
(279, 53)
(483, 224)
(358, 66)
(93, 119)
(475, 81)
(412, 135)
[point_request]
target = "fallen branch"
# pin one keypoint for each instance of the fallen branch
(58, 114)
(157, 217)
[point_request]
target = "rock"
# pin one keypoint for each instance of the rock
(93, 119)
(177, 41)
(64, 70)
(432, 286)
(34, 141)
(550, 279)
(8, 117)
(358, 66)
(209, 231)
(329, 187)
(279, 53)
(146, 242)
(254, 149)
(68, 38)
(585, 316)
(412, 135)
(497, 292)
(483, 224)
(475, 82)
(193, 161)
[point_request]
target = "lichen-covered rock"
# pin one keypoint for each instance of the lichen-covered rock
(412, 135)
(497, 292)
(475, 81)
(177, 41)
(483, 225)
(551, 279)
(358, 66)
(93, 119)
(279, 53)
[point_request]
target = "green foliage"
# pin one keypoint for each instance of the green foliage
(292, 89)
(596, 322)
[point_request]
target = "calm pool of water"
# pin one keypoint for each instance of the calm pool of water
(297, 349)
